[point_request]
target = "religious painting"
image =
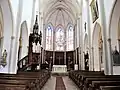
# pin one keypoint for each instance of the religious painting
(94, 10)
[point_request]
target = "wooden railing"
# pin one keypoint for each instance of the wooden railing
(23, 63)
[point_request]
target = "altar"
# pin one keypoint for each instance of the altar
(59, 69)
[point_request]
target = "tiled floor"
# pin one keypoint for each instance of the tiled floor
(50, 85)
(69, 84)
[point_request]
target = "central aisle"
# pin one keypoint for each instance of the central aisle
(51, 84)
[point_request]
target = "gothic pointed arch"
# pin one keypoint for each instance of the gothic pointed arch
(69, 37)
(23, 41)
(97, 46)
(113, 32)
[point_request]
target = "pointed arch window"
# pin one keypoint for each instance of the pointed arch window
(70, 38)
(49, 37)
(60, 42)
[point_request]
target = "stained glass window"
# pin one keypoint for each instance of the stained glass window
(49, 37)
(69, 42)
(61, 38)
(60, 42)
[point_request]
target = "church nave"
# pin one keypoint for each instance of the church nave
(68, 84)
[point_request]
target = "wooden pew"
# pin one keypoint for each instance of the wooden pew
(89, 81)
(109, 87)
(29, 80)
(13, 87)
(96, 84)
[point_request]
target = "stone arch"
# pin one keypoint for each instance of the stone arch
(114, 25)
(97, 48)
(114, 33)
(23, 41)
(7, 32)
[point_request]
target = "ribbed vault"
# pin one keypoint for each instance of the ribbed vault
(60, 12)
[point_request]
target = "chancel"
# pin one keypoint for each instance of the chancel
(59, 44)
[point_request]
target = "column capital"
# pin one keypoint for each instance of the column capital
(109, 39)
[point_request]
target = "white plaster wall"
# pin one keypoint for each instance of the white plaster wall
(27, 13)
(116, 70)
(108, 9)
(14, 6)
(8, 31)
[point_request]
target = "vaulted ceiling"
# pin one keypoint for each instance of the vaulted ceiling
(60, 12)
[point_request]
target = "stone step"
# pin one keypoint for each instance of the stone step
(60, 74)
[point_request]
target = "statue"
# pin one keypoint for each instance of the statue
(85, 26)
(4, 57)
(40, 38)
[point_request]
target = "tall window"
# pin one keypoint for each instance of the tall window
(70, 38)
(59, 38)
(49, 37)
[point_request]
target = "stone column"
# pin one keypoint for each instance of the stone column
(33, 16)
(79, 49)
(110, 57)
(81, 45)
(119, 43)
(65, 46)
(89, 36)
(104, 37)
(92, 57)
(11, 49)
(76, 63)
(53, 46)
(65, 58)
(43, 40)
(16, 43)
(74, 46)
(53, 57)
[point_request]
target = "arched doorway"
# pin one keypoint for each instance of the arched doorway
(23, 41)
(97, 48)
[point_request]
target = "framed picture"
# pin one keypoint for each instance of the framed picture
(94, 10)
